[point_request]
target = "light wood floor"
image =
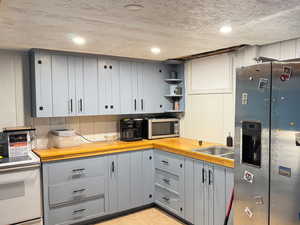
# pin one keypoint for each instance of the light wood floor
(152, 216)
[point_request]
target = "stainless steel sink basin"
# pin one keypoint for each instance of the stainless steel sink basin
(217, 150)
(228, 156)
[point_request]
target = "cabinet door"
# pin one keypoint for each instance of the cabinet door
(162, 88)
(113, 192)
(136, 179)
(123, 168)
(90, 85)
(189, 190)
(200, 178)
(148, 100)
(60, 86)
(148, 176)
(128, 103)
(229, 189)
(42, 80)
(75, 72)
(109, 79)
(219, 194)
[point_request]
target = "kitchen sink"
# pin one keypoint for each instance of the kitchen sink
(217, 150)
(228, 155)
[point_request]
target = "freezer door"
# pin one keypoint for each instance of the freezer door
(252, 145)
(285, 141)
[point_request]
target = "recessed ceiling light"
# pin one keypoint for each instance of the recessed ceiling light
(226, 29)
(133, 7)
(155, 50)
(79, 40)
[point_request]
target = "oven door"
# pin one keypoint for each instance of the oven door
(20, 194)
(163, 128)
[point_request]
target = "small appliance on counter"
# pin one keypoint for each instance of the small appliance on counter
(156, 128)
(131, 129)
(16, 142)
(64, 138)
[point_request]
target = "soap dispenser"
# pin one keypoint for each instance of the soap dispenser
(229, 140)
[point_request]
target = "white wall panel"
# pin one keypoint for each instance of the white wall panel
(271, 50)
(288, 49)
(298, 48)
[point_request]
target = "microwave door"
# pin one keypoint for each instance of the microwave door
(163, 129)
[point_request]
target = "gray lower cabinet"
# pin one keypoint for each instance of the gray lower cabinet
(169, 182)
(80, 189)
(211, 193)
(130, 180)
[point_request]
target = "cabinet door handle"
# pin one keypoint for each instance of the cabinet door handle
(78, 211)
(210, 177)
(166, 199)
(165, 162)
(142, 104)
(80, 105)
(71, 102)
(79, 191)
(167, 181)
(113, 166)
(78, 170)
(134, 104)
(203, 176)
(111, 106)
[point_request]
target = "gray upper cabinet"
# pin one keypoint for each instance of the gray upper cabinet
(70, 84)
(62, 104)
(41, 84)
(90, 86)
(109, 86)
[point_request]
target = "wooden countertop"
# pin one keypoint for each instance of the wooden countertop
(180, 146)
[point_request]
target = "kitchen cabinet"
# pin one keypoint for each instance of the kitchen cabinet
(73, 84)
(130, 180)
(154, 88)
(62, 104)
(75, 190)
(209, 193)
(109, 86)
(41, 84)
(169, 182)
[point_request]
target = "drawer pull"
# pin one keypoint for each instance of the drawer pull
(79, 191)
(165, 162)
(78, 211)
(78, 170)
(166, 199)
(167, 181)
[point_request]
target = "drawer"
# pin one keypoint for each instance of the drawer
(168, 180)
(76, 190)
(169, 162)
(60, 172)
(78, 212)
(168, 200)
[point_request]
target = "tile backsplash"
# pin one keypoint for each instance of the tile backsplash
(91, 127)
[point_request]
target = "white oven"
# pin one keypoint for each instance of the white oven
(20, 192)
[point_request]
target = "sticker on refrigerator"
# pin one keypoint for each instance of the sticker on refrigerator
(285, 171)
(248, 177)
(263, 83)
(244, 98)
(286, 73)
(248, 212)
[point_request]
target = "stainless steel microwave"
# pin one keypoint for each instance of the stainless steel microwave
(161, 128)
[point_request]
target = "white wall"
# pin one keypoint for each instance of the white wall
(210, 116)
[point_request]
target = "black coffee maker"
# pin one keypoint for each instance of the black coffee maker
(131, 129)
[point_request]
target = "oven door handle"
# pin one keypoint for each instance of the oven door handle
(18, 168)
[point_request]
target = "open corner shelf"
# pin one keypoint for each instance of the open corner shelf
(173, 81)
(173, 96)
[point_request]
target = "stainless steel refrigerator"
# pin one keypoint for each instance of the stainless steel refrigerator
(267, 144)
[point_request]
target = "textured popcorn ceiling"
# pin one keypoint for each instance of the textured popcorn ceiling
(178, 27)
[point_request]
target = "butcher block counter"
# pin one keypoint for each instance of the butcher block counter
(180, 146)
